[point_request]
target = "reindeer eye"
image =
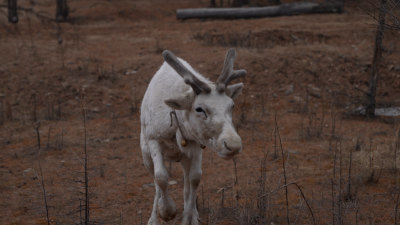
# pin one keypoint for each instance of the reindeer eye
(199, 109)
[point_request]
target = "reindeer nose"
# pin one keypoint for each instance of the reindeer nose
(234, 147)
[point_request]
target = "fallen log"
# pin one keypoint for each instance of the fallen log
(287, 9)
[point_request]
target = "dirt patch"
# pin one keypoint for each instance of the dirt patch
(262, 39)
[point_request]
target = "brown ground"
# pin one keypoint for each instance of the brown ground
(105, 56)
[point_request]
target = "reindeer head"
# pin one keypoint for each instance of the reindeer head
(208, 107)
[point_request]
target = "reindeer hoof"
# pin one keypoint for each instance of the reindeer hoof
(190, 219)
(166, 208)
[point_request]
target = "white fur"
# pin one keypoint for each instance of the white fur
(161, 139)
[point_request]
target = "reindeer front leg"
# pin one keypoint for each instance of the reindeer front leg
(164, 203)
(191, 164)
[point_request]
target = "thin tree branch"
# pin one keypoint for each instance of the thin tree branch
(284, 171)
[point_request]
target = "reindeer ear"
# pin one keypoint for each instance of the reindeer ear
(181, 102)
(234, 90)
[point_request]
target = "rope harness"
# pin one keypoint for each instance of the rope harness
(184, 140)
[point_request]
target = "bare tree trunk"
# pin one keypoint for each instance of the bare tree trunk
(349, 194)
(87, 209)
(374, 77)
(37, 126)
(12, 11)
(62, 10)
(396, 209)
(276, 2)
(284, 172)
(396, 206)
(238, 3)
(213, 3)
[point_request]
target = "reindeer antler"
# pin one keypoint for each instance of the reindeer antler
(189, 78)
(228, 73)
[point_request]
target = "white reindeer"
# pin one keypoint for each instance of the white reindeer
(182, 112)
